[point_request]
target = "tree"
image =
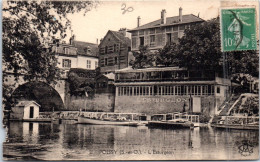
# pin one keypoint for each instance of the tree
(168, 55)
(143, 58)
(28, 28)
(81, 81)
(200, 49)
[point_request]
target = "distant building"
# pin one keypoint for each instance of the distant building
(25, 110)
(168, 90)
(77, 54)
(113, 51)
(158, 33)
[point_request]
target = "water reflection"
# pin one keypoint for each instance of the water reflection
(88, 142)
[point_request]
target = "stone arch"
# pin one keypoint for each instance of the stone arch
(42, 93)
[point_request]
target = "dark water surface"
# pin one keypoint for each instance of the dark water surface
(46, 141)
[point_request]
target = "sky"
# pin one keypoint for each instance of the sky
(108, 15)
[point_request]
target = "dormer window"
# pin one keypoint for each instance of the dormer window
(67, 50)
(86, 49)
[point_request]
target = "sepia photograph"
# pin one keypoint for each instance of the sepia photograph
(130, 80)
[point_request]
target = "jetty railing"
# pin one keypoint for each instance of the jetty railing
(241, 120)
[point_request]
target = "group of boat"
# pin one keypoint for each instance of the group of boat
(175, 123)
(169, 123)
(172, 120)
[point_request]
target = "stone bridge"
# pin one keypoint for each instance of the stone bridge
(50, 97)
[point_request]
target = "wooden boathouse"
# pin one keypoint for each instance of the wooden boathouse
(169, 89)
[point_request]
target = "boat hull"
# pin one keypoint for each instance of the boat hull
(34, 120)
(233, 126)
(162, 124)
(84, 120)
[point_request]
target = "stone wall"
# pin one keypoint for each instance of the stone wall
(161, 104)
(100, 102)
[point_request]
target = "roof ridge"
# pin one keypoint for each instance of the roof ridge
(85, 42)
(189, 18)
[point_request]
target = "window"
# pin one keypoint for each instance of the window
(159, 30)
(115, 49)
(105, 61)
(106, 50)
(115, 60)
(96, 64)
(182, 27)
(168, 29)
(141, 32)
(67, 51)
(134, 42)
(135, 33)
(152, 40)
(175, 36)
(141, 41)
(88, 64)
(169, 38)
(152, 31)
(66, 63)
(218, 89)
(175, 28)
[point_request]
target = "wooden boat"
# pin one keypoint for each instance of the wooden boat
(236, 126)
(34, 120)
(87, 120)
(175, 123)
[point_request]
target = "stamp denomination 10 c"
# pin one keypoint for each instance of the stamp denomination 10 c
(238, 29)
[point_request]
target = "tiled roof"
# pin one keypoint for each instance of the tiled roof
(121, 37)
(83, 46)
(25, 103)
(170, 21)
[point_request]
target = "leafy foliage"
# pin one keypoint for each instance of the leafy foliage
(143, 58)
(28, 28)
(167, 56)
(199, 49)
(81, 81)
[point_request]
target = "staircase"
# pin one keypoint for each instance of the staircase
(224, 108)
(228, 104)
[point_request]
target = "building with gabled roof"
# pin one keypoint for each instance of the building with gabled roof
(25, 110)
(76, 54)
(158, 33)
(113, 51)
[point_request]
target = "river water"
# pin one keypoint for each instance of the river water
(46, 141)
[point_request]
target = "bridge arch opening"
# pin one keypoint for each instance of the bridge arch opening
(40, 92)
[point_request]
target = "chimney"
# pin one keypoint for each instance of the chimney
(122, 31)
(163, 16)
(97, 41)
(138, 21)
(180, 14)
(72, 39)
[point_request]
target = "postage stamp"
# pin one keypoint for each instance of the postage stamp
(238, 28)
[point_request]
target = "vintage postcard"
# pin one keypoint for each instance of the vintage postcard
(130, 80)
